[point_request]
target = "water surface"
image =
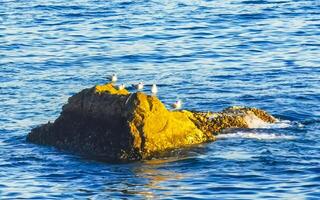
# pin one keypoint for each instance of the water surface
(210, 54)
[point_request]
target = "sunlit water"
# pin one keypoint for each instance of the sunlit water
(210, 54)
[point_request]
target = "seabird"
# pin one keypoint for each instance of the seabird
(177, 104)
(138, 86)
(121, 87)
(113, 78)
(154, 89)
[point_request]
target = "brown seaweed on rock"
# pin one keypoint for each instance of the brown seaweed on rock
(114, 125)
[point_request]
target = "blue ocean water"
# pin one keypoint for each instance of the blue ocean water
(211, 54)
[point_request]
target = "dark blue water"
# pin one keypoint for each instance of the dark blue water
(211, 54)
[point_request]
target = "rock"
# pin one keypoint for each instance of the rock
(156, 129)
(114, 125)
(232, 117)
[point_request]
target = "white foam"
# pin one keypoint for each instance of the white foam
(255, 122)
(278, 124)
(254, 135)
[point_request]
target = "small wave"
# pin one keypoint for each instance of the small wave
(311, 122)
(258, 136)
(285, 124)
(280, 124)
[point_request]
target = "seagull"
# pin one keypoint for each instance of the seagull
(113, 78)
(154, 89)
(177, 104)
(121, 87)
(138, 86)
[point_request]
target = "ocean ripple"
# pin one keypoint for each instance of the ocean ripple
(210, 54)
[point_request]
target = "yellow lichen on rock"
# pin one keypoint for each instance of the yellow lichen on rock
(232, 117)
(156, 129)
(110, 88)
(215, 122)
(263, 115)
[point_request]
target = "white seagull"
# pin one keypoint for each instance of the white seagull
(177, 104)
(121, 87)
(154, 89)
(138, 86)
(113, 78)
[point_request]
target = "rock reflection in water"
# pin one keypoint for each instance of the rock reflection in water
(149, 180)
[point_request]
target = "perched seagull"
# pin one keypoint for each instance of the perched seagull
(121, 87)
(177, 104)
(138, 86)
(113, 78)
(154, 89)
